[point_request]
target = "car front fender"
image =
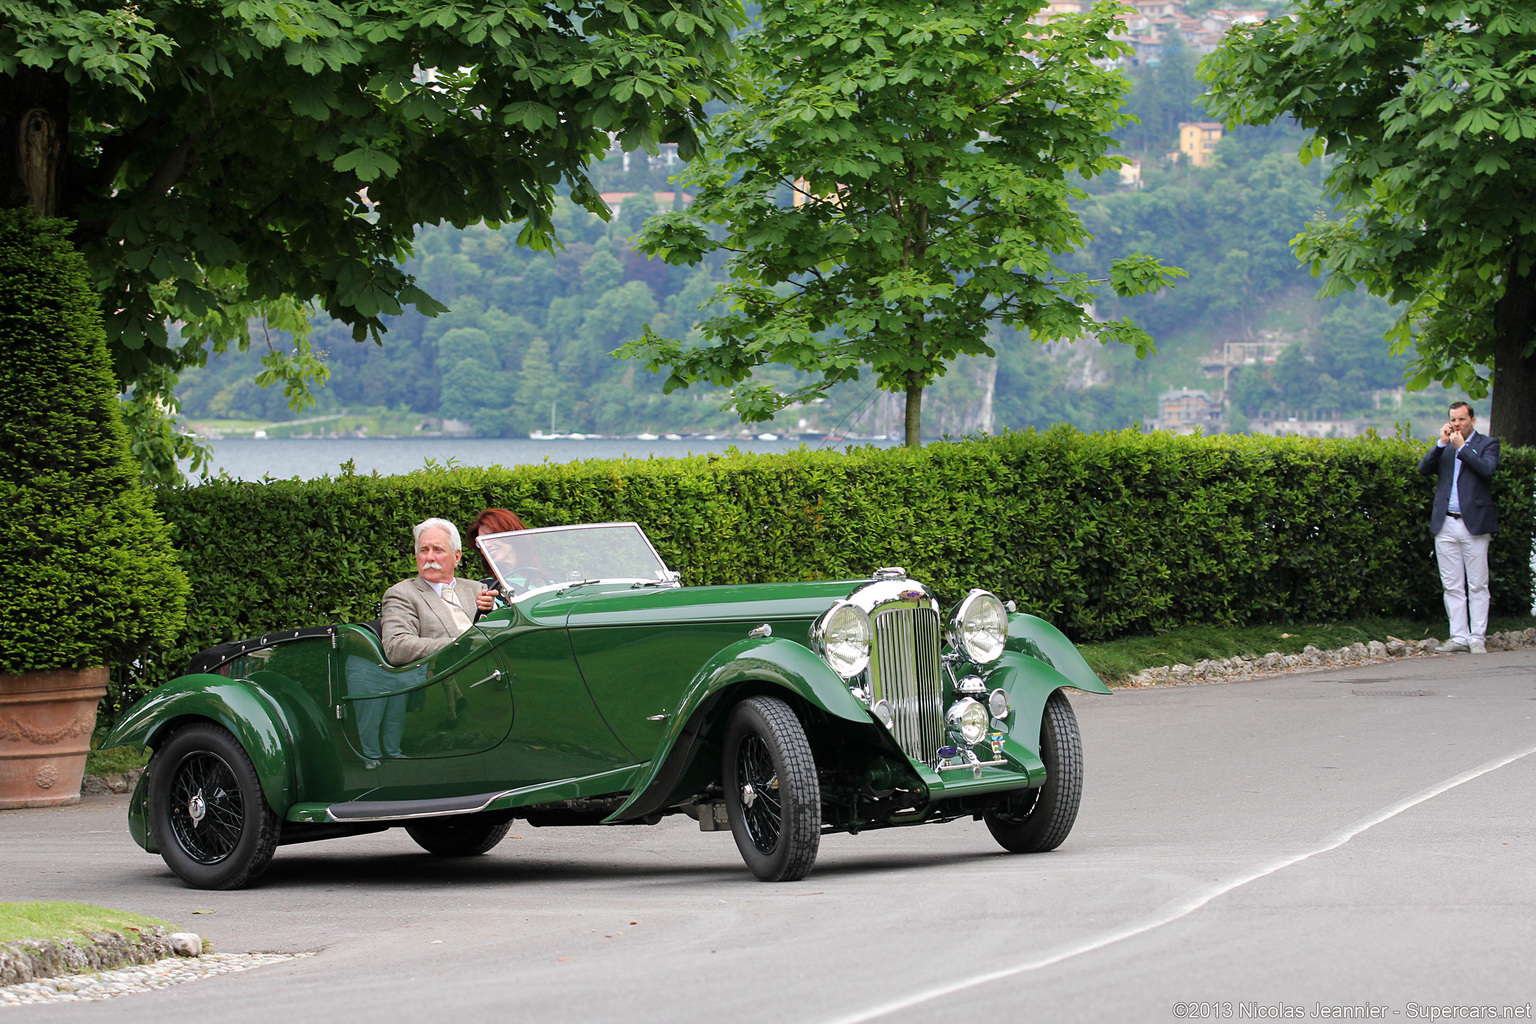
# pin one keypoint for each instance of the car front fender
(1033, 636)
(254, 719)
(771, 662)
(1029, 683)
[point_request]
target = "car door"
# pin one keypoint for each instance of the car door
(457, 702)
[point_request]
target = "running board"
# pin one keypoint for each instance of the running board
(399, 810)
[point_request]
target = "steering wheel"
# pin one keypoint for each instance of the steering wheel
(532, 578)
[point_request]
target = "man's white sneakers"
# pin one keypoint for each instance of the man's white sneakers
(1478, 648)
(1452, 647)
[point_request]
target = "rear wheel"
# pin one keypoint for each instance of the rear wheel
(208, 813)
(449, 838)
(771, 794)
(1037, 820)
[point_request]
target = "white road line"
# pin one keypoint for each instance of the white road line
(1181, 909)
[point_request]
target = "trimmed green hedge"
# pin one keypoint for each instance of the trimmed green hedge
(91, 576)
(1104, 534)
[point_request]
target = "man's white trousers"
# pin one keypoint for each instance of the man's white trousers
(1463, 560)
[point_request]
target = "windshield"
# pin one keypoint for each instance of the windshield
(525, 560)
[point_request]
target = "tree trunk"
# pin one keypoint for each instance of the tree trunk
(1513, 414)
(914, 423)
(34, 141)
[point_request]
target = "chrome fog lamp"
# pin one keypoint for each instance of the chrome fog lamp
(999, 704)
(980, 627)
(883, 713)
(842, 636)
(968, 718)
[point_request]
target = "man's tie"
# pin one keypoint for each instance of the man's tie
(461, 620)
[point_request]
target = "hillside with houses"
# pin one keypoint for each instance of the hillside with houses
(1243, 344)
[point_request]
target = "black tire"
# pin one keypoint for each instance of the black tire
(1037, 820)
(209, 815)
(447, 837)
(771, 794)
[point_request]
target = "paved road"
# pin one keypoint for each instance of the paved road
(1364, 835)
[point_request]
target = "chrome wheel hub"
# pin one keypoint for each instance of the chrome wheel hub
(196, 808)
(748, 795)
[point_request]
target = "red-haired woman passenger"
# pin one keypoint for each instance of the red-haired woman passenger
(492, 520)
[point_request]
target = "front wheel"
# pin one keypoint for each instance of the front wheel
(209, 815)
(449, 838)
(1038, 820)
(771, 794)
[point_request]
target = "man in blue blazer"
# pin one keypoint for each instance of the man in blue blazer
(1463, 520)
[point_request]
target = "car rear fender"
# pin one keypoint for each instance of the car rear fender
(1033, 636)
(767, 665)
(246, 711)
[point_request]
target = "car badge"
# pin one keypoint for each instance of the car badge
(910, 595)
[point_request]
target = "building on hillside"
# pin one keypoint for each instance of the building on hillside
(1150, 23)
(664, 200)
(1130, 174)
(1234, 355)
(665, 155)
(1158, 8)
(1055, 7)
(1186, 411)
(1197, 141)
(1295, 426)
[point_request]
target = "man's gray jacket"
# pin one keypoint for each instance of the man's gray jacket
(1479, 457)
(417, 622)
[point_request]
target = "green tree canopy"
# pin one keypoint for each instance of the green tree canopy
(900, 181)
(227, 160)
(1428, 111)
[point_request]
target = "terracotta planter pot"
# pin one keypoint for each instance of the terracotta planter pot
(46, 720)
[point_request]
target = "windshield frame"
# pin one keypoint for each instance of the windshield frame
(671, 577)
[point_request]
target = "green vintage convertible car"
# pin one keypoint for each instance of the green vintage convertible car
(605, 693)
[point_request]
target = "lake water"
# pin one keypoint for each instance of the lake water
(309, 458)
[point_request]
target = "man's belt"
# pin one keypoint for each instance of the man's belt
(1454, 515)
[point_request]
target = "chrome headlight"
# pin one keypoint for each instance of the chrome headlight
(842, 636)
(969, 718)
(980, 627)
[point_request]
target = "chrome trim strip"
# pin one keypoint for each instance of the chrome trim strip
(971, 764)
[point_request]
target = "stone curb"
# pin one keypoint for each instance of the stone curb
(33, 959)
(102, 785)
(1275, 663)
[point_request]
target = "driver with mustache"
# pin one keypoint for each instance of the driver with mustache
(424, 614)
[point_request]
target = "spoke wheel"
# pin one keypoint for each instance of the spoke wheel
(771, 794)
(449, 837)
(207, 813)
(207, 810)
(1037, 820)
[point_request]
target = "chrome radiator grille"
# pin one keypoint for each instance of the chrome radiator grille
(905, 670)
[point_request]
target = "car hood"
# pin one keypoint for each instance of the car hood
(612, 605)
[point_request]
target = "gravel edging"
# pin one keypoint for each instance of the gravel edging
(130, 980)
(1310, 658)
(26, 960)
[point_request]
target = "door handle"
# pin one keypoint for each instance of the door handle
(488, 679)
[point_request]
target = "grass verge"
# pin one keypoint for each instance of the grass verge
(1115, 660)
(68, 921)
(115, 760)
